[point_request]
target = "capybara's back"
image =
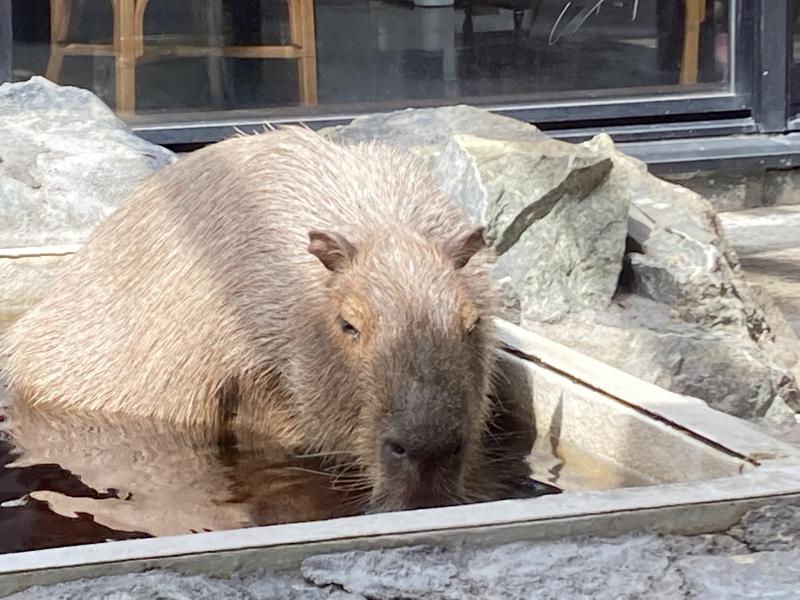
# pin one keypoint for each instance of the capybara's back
(328, 295)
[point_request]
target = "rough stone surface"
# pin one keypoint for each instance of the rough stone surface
(571, 569)
(782, 187)
(737, 190)
(768, 243)
(65, 163)
(725, 191)
(758, 558)
(771, 527)
(649, 341)
(565, 219)
(555, 217)
(166, 585)
(773, 575)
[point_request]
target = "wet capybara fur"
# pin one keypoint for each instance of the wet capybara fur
(329, 296)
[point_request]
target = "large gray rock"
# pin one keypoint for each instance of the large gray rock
(65, 163)
(564, 219)
(555, 217)
(24, 280)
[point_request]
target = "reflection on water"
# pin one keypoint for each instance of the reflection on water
(573, 469)
(74, 478)
(105, 478)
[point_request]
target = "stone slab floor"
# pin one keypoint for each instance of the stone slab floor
(767, 240)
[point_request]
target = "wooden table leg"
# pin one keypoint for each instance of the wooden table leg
(138, 19)
(125, 46)
(301, 27)
(59, 28)
(694, 14)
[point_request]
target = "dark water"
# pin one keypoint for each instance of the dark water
(69, 479)
(29, 524)
(75, 479)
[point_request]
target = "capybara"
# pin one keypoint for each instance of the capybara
(330, 296)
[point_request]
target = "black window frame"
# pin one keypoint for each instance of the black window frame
(794, 72)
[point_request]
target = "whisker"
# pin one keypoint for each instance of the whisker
(322, 454)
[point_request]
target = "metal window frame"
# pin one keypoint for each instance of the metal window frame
(6, 41)
(770, 82)
(794, 72)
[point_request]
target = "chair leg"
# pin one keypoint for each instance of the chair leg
(59, 28)
(125, 52)
(301, 26)
(210, 21)
(141, 6)
(694, 14)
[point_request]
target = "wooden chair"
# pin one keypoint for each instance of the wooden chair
(128, 47)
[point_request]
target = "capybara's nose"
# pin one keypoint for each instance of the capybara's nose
(427, 456)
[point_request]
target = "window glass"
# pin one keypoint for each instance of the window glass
(168, 60)
(794, 69)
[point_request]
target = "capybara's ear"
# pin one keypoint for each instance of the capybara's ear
(332, 249)
(461, 249)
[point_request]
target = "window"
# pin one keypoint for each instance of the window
(174, 61)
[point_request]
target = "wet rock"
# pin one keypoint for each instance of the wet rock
(596, 253)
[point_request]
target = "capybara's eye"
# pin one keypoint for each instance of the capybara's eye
(397, 450)
(347, 328)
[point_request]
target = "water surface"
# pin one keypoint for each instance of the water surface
(71, 478)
